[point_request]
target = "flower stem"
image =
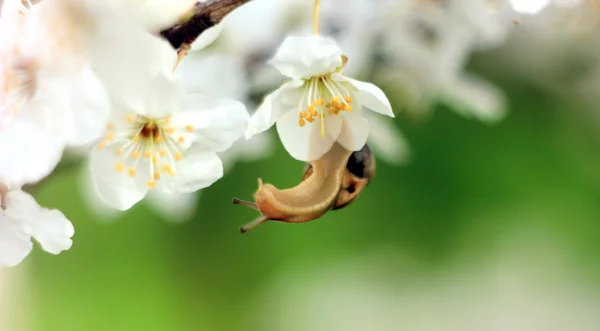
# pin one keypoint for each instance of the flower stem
(316, 17)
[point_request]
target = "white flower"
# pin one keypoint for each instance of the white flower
(21, 219)
(318, 106)
(49, 97)
(164, 140)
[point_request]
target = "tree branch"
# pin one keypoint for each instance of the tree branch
(206, 15)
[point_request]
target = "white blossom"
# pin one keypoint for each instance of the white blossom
(21, 219)
(165, 140)
(319, 106)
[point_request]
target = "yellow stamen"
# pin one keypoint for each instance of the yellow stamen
(158, 139)
(181, 140)
(154, 159)
(301, 122)
(147, 154)
(322, 124)
(178, 157)
(163, 152)
(348, 99)
(135, 154)
(156, 176)
(132, 172)
(119, 151)
(110, 126)
(120, 167)
(169, 170)
(189, 128)
(135, 139)
(100, 146)
(110, 136)
(151, 184)
(131, 119)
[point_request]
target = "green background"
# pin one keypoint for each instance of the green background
(471, 192)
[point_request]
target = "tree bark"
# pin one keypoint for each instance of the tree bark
(206, 15)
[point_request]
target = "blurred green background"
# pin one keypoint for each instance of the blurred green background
(473, 197)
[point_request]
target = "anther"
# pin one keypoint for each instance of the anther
(119, 151)
(169, 170)
(156, 176)
(135, 154)
(163, 153)
(110, 136)
(178, 157)
(147, 154)
(158, 139)
(189, 128)
(120, 167)
(132, 172)
(131, 118)
(301, 122)
(151, 184)
(348, 99)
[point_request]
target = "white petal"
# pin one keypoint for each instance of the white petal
(473, 96)
(355, 130)
(207, 37)
(256, 148)
(49, 227)
(15, 245)
(305, 57)
(163, 95)
(92, 199)
(197, 170)
(274, 106)
(118, 189)
(90, 108)
(26, 154)
(172, 206)
(215, 73)
(305, 143)
(217, 123)
(369, 95)
(386, 140)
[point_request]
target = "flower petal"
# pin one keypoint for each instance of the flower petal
(305, 57)
(355, 130)
(386, 140)
(90, 108)
(172, 206)
(26, 154)
(49, 227)
(197, 170)
(274, 107)
(472, 96)
(207, 37)
(369, 95)
(305, 143)
(15, 245)
(215, 124)
(117, 188)
(223, 75)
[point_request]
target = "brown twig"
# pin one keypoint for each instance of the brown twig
(206, 15)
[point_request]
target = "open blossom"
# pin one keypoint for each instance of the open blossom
(164, 140)
(319, 106)
(21, 219)
(49, 96)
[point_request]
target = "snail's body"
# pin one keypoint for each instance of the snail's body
(331, 182)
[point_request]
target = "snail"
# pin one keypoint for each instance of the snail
(332, 182)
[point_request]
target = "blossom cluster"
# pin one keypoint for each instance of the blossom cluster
(97, 76)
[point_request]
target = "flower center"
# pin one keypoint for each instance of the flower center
(323, 97)
(148, 145)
